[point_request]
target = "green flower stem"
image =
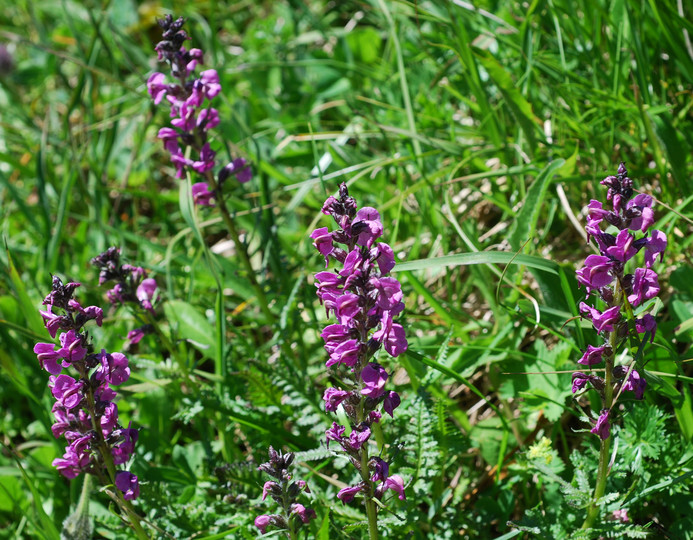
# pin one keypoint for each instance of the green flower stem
(240, 246)
(603, 469)
(371, 509)
(104, 453)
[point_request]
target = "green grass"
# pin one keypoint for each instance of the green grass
(463, 127)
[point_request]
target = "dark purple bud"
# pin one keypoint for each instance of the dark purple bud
(620, 371)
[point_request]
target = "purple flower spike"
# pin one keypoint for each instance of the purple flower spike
(86, 402)
(602, 428)
(605, 274)
(365, 301)
(190, 97)
(128, 484)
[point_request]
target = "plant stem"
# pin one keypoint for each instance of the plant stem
(104, 453)
(371, 510)
(603, 469)
(240, 246)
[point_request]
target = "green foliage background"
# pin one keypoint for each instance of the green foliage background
(478, 133)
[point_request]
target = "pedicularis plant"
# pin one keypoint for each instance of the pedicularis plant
(365, 302)
(85, 411)
(626, 294)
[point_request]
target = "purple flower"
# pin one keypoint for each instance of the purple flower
(267, 487)
(127, 483)
(333, 397)
(156, 87)
(645, 286)
(66, 390)
(623, 249)
(334, 335)
(48, 357)
(381, 469)
(52, 321)
(306, 514)
(391, 402)
(646, 324)
(603, 322)
(262, 522)
(346, 308)
(635, 384)
(592, 356)
(346, 353)
(202, 195)
(643, 204)
(323, 243)
(146, 292)
(374, 378)
(596, 273)
(136, 335)
(389, 292)
(395, 483)
(206, 161)
(72, 463)
(367, 226)
(335, 433)
(579, 381)
(656, 244)
(385, 258)
(602, 428)
(123, 451)
(113, 369)
(72, 350)
(357, 438)
(238, 167)
(392, 337)
(595, 213)
(347, 494)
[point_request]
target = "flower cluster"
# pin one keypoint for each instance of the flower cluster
(85, 411)
(365, 302)
(189, 98)
(132, 286)
(285, 492)
(621, 292)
